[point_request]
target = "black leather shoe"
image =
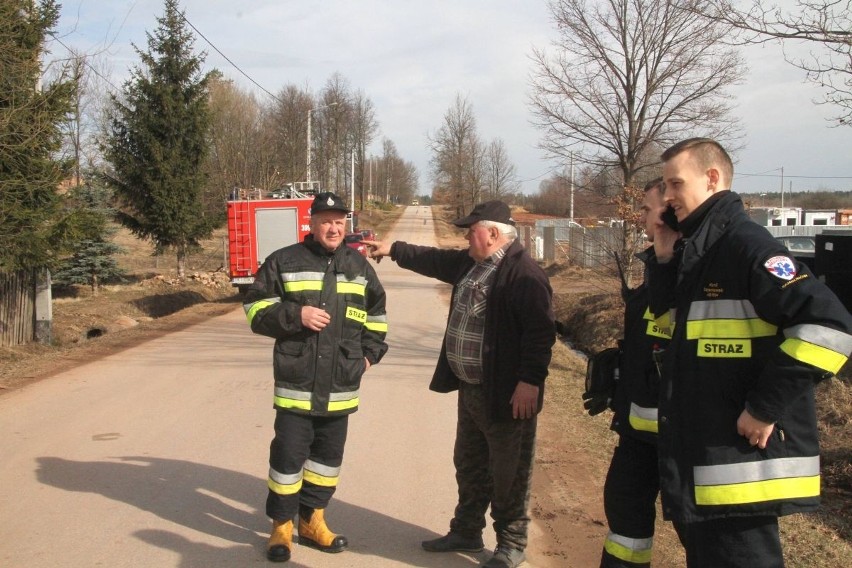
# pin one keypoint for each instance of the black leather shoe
(453, 542)
(506, 557)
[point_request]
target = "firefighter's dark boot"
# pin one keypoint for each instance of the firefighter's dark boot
(313, 532)
(280, 541)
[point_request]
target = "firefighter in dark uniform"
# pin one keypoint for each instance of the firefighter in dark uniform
(752, 331)
(632, 482)
(323, 304)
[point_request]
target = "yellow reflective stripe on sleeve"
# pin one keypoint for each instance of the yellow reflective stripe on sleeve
(757, 481)
(284, 484)
(815, 355)
(252, 309)
(643, 419)
(377, 323)
(821, 335)
(635, 550)
(725, 348)
(355, 314)
(320, 474)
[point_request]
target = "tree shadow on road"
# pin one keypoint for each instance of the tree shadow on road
(224, 504)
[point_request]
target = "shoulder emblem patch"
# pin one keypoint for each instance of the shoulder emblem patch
(781, 266)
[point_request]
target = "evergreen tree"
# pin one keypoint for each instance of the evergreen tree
(93, 261)
(33, 222)
(157, 141)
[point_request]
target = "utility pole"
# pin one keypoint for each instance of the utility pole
(572, 185)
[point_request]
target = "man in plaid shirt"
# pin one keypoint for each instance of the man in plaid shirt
(496, 352)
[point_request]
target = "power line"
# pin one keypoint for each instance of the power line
(237, 67)
(738, 174)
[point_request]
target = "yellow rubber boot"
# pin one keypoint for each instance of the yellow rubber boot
(313, 532)
(280, 541)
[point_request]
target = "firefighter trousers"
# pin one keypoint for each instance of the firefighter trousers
(732, 542)
(493, 461)
(304, 462)
(630, 496)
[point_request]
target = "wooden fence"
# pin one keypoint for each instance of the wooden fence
(17, 308)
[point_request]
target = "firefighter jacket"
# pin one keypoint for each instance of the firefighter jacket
(519, 321)
(637, 389)
(752, 329)
(318, 373)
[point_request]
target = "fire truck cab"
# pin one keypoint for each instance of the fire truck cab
(260, 225)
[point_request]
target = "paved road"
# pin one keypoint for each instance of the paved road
(156, 456)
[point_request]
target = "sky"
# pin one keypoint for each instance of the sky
(412, 58)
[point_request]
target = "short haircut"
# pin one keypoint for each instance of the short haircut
(656, 183)
(508, 230)
(707, 153)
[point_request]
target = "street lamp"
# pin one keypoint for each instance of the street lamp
(308, 153)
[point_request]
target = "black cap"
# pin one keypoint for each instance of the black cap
(488, 211)
(327, 201)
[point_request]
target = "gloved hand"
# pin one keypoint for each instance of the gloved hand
(595, 403)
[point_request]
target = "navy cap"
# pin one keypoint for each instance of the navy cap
(327, 201)
(489, 211)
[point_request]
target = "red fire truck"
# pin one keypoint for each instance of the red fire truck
(258, 226)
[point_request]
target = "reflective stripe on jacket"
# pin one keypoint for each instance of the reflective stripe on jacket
(318, 373)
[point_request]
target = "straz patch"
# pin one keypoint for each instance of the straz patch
(781, 266)
(724, 348)
(355, 314)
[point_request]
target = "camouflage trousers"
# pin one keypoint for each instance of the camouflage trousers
(493, 461)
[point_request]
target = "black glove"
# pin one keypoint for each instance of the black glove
(595, 403)
(601, 378)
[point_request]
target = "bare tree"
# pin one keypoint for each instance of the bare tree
(500, 176)
(86, 120)
(457, 157)
(627, 74)
(286, 123)
(332, 126)
(235, 117)
(826, 25)
(363, 130)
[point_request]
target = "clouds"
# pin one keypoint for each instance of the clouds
(412, 58)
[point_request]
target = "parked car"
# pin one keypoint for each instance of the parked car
(369, 234)
(802, 247)
(798, 243)
(353, 240)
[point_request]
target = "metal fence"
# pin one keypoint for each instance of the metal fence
(592, 247)
(588, 247)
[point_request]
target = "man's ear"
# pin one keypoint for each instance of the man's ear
(713, 179)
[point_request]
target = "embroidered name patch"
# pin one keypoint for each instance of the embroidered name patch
(782, 267)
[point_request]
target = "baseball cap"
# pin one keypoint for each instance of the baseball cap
(489, 211)
(327, 201)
